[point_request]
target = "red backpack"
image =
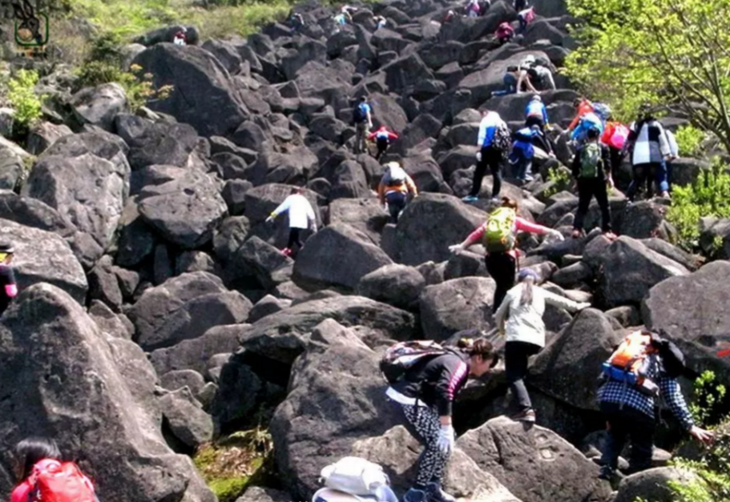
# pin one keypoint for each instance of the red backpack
(61, 482)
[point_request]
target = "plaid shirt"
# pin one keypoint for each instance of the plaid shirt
(617, 392)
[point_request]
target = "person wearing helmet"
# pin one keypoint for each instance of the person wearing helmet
(393, 190)
(536, 113)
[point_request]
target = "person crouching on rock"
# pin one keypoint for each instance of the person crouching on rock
(426, 395)
(519, 319)
(393, 190)
(499, 235)
(382, 137)
(301, 217)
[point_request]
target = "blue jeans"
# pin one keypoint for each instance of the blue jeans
(664, 176)
(522, 165)
(510, 86)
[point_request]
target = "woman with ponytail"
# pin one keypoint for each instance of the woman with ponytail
(519, 318)
(425, 395)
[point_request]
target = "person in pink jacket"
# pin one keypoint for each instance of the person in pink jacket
(499, 235)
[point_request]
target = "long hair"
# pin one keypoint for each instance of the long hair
(528, 281)
(32, 450)
(479, 347)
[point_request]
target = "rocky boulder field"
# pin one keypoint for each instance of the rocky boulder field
(156, 312)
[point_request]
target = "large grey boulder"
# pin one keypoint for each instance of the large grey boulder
(203, 95)
(456, 305)
(430, 224)
(557, 470)
(186, 419)
(653, 484)
(151, 143)
(335, 398)
(185, 307)
(396, 285)
(630, 270)
(99, 105)
(337, 256)
(185, 210)
(42, 256)
(54, 352)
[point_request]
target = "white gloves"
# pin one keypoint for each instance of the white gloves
(582, 306)
(446, 439)
(456, 248)
(479, 156)
(556, 234)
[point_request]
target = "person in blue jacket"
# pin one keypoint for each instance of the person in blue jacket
(523, 151)
(587, 122)
(494, 143)
(536, 113)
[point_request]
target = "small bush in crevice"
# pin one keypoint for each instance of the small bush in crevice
(24, 100)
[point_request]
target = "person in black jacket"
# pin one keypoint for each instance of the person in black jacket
(425, 395)
(592, 168)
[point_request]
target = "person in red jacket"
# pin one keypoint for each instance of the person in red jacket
(502, 261)
(28, 453)
(382, 138)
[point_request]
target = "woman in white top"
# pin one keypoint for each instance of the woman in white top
(519, 318)
(301, 216)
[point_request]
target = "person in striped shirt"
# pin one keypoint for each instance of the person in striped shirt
(425, 396)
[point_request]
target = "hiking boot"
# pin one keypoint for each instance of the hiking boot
(613, 476)
(470, 198)
(286, 252)
(414, 495)
(527, 415)
(436, 494)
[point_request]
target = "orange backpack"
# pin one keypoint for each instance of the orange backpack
(62, 482)
(631, 362)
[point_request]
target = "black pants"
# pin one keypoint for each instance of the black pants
(643, 173)
(502, 268)
(587, 189)
(396, 203)
(520, 5)
(382, 144)
(538, 121)
(295, 238)
(516, 355)
(616, 159)
(623, 424)
(492, 158)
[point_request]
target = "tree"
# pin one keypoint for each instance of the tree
(669, 52)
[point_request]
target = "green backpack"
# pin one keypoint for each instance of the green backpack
(500, 235)
(590, 160)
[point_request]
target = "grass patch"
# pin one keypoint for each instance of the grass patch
(233, 463)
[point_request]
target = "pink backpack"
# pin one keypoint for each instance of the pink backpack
(619, 137)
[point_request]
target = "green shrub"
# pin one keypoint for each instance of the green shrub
(138, 87)
(561, 179)
(710, 401)
(709, 195)
(689, 140)
(24, 100)
(93, 73)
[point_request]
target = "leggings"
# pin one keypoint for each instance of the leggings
(492, 158)
(294, 238)
(502, 267)
(424, 424)
(516, 356)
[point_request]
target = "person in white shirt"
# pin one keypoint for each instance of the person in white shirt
(519, 318)
(301, 217)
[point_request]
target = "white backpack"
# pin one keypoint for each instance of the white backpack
(355, 476)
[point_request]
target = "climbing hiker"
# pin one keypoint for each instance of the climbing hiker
(499, 236)
(650, 147)
(380, 22)
(484, 6)
(519, 319)
(516, 81)
(587, 122)
(592, 170)
(525, 17)
(7, 277)
(539, 73)
(664, 173)
(536, 113)
(494, 146)
(181, 37)
(382, 137)
(520, 5)
(393, 190)
(505, 33)
(425, 394)
(582, 106)
(296, 21)
(472, 8)
(43, 476)
(614, 137)
(301, 217)
(523, 151)
(642, 368)
(362, 118)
